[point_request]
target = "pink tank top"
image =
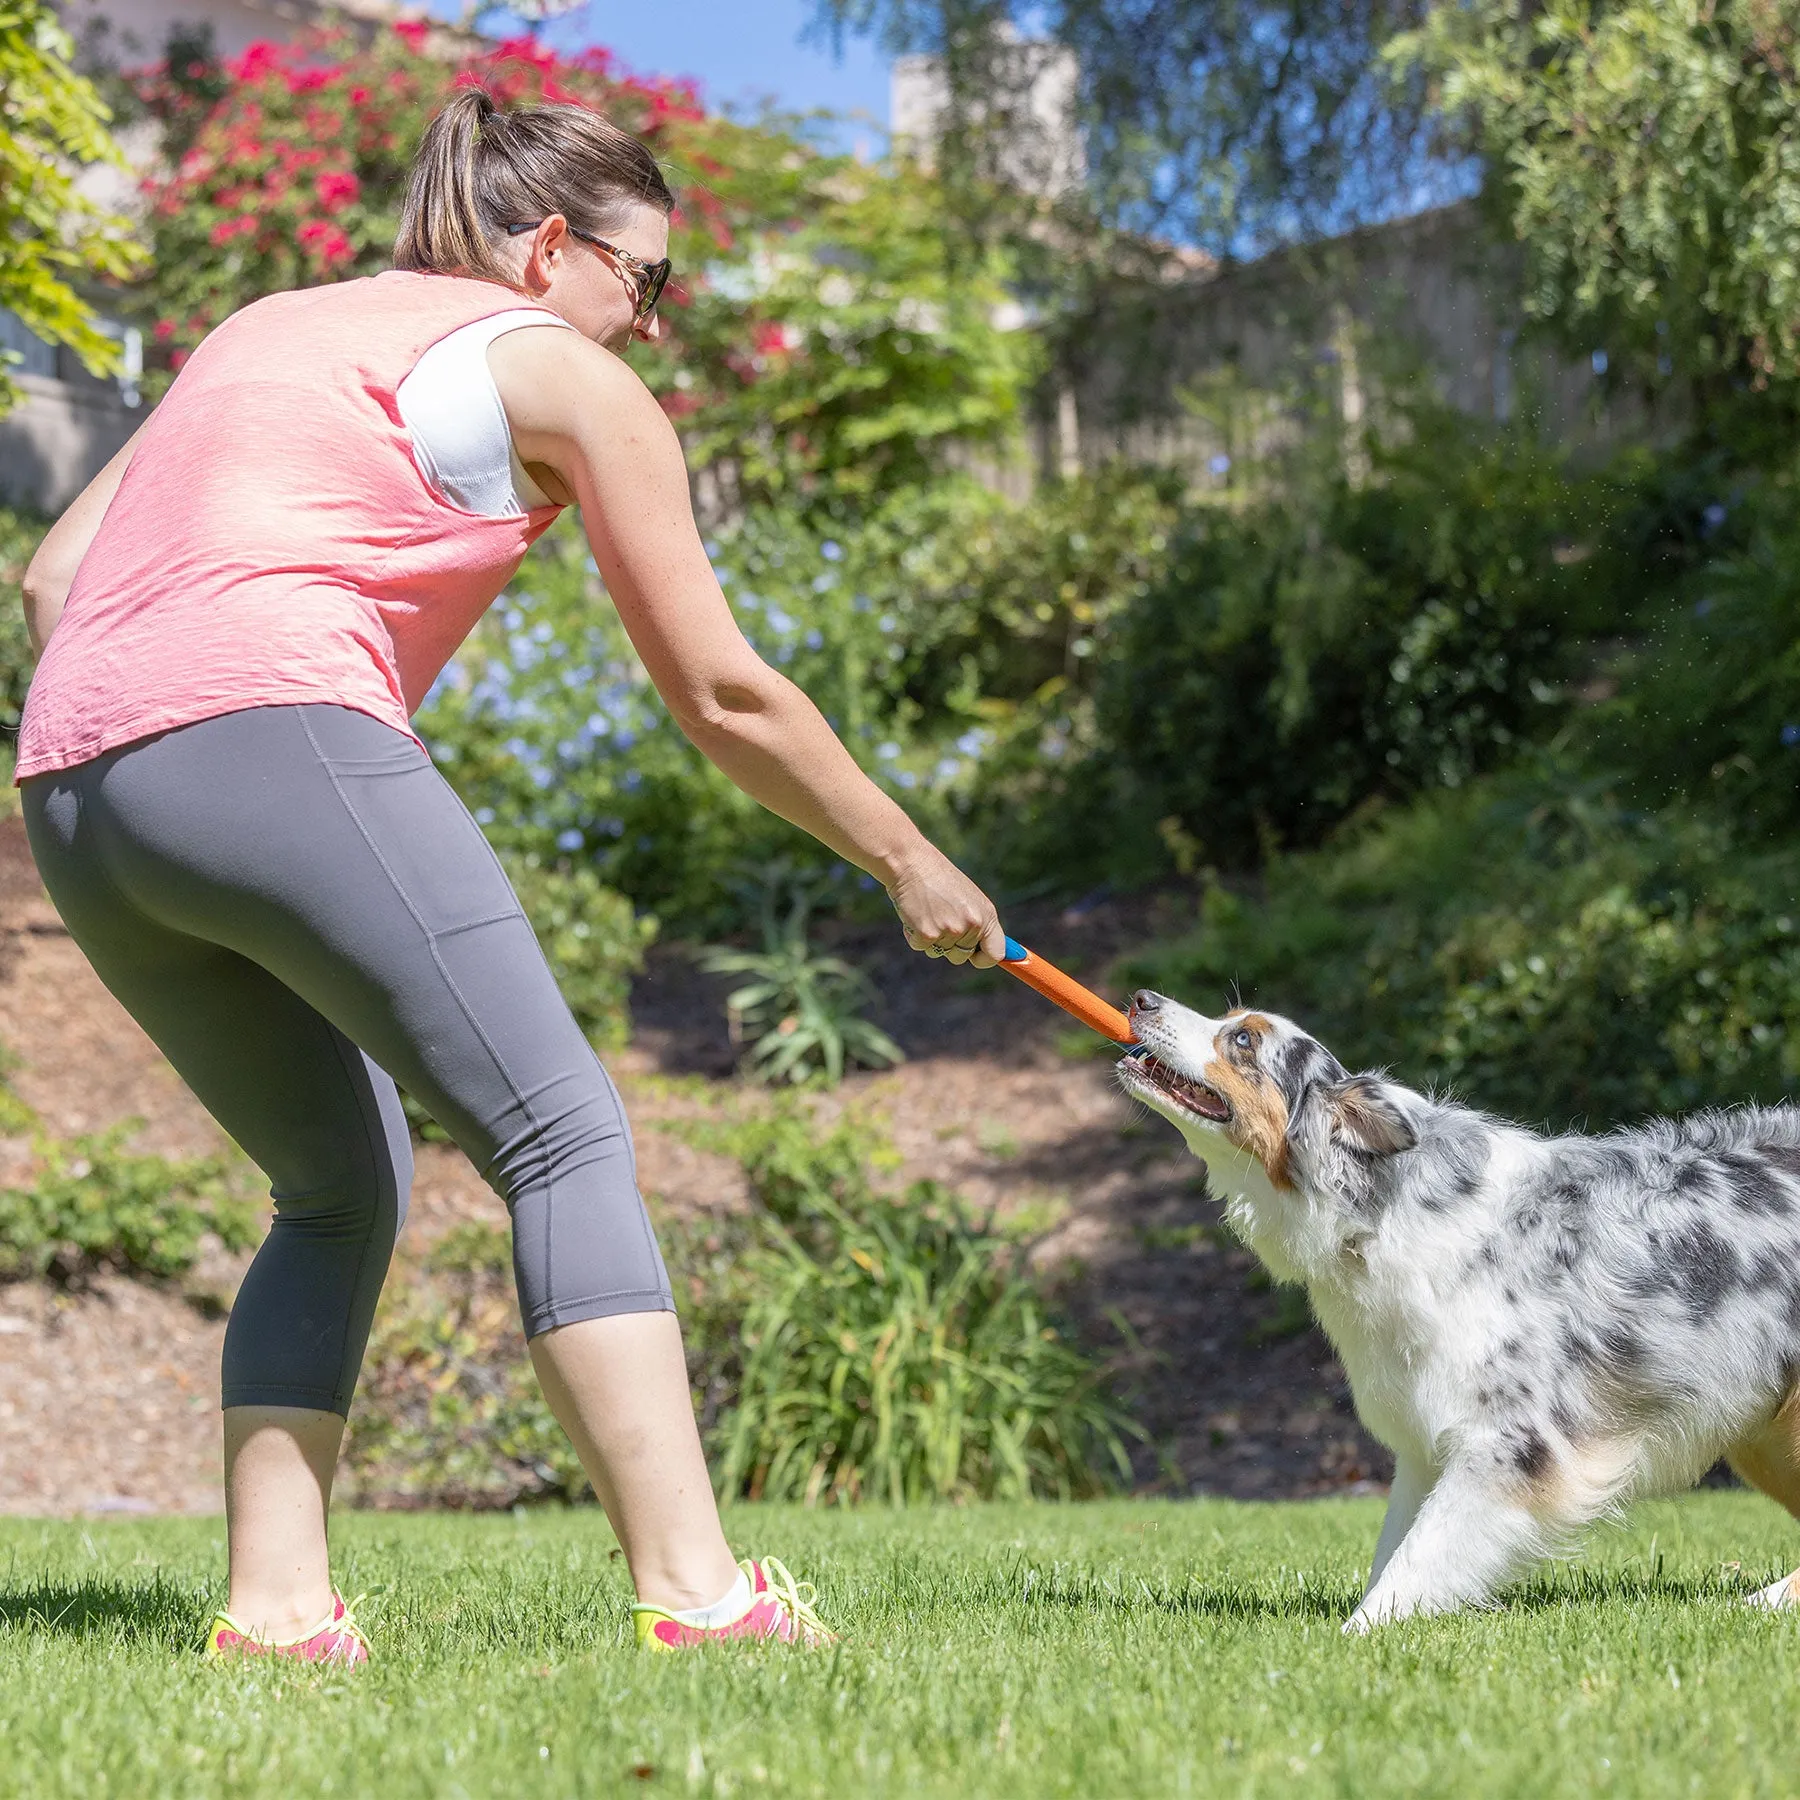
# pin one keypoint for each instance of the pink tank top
(273, 542)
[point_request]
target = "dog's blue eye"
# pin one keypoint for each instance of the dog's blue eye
(1242, 1040)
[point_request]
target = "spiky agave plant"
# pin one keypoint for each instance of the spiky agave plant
(801, 1012)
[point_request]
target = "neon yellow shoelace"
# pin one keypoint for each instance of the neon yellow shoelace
(799, 1597)
(348, 1621)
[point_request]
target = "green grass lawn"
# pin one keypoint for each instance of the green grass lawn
(1119, 1649)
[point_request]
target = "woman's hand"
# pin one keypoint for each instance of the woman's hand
(944, 913)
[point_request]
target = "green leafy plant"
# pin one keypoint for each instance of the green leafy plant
(894, 1348)
(801, 1011)
(1528, 942)
(92, 1205)
(54, 237)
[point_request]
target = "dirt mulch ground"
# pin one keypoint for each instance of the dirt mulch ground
(108, 1398)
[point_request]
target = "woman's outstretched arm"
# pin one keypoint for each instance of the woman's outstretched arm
(580, 412)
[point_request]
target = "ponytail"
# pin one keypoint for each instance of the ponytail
(481, 169)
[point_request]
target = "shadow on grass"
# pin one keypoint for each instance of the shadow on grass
(1334, 1599)
(1565, 1587)
(158, 1612)
(1029, 1586)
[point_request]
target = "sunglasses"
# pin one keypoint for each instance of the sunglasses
(650, 278)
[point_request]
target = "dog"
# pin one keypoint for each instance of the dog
(1539, 1328)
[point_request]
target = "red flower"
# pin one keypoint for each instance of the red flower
(326, 242)
(413, 33)
(259, 60)
(337, 188)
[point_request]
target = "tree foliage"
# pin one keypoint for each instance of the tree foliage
(53, 236)
(1227, 123)
(1646, 154)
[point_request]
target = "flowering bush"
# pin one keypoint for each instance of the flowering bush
(293, 173)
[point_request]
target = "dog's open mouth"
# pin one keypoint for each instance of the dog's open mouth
(1170, 1084)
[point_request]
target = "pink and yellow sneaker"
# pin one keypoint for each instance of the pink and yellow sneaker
(338, 1639)
(780, 1610)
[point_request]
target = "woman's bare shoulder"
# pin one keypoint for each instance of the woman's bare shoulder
(551, 381)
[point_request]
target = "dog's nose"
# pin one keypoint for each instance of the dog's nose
(1144, 1001)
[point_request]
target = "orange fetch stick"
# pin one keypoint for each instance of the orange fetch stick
(1068, 993)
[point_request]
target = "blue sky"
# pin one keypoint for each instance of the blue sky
(742, 51)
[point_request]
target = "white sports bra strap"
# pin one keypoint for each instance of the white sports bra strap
(461, 440)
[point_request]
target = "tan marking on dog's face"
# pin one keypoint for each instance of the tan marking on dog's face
(1259, 1116)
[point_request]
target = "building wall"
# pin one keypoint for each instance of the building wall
(1216, 370)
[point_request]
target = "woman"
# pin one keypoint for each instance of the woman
(231, 812)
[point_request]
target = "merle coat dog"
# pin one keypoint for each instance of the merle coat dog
(1539, 1328)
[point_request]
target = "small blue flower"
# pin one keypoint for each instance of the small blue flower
(1790, 735)
(1601, 362)
(1220, 464)
(1713, 517)
(570, 839)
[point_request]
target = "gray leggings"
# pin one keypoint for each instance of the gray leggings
(290, 900)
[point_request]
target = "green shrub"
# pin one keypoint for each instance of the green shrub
(1528, 943)
(93, 1205)
(21, 531)
(592, 939)
(894, 1348)
(1708, 708)
(1343, 643)
(946, 634)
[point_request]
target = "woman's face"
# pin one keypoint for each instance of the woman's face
(586, 285)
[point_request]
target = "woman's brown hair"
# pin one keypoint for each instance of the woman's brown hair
(481, 169)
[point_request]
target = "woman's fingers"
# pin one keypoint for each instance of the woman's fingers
(947, 917)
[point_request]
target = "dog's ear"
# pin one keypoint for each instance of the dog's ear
(1365, 1116)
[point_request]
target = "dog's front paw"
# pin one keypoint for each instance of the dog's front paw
(1360, 1623)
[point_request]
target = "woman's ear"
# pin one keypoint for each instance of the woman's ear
(1366, 1116)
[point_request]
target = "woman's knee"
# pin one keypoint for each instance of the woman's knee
(586, 1137)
